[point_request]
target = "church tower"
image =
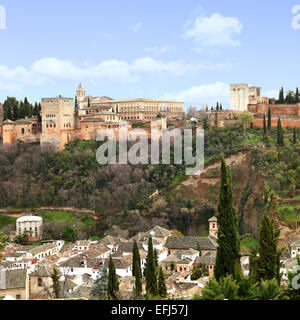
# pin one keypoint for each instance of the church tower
(213, 227)
(81, 97)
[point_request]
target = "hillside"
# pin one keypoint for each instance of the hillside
(120, 195)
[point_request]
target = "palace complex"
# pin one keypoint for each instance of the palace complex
(64, 120)
(243, 97)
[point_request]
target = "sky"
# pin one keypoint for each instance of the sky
(188, 50)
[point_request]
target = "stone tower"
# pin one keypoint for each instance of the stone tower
(81, 97)
(58, 121)
(213, 227)
(239, 97)
(8, 132)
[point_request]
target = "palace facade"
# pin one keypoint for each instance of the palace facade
(64, 120)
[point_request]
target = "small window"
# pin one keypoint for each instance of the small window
(40, 282)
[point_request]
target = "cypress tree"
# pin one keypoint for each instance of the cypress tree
(265, 126)
(280, 141)
(56, 285)
(113, 283)
(228, 253)
(269, 119)
(151, 280)
(281, 96)
(155, 258)
(136, 261)
(221, 107)
(217, 107)
(295, 136)
(297, 96)
(136, 269)
(162, 289)
(268, 260)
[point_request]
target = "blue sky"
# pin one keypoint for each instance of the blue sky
(183, 49)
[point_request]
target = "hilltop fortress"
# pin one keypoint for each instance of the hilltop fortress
(64, 120)
(243, 97)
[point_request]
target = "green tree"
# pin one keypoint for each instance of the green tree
(290, 97)
(155, 254)
(99, 289)
(246, 118)
(162, 289)
(226, 288)
(136, 269)
(265, 126)
(150, 272)
(136, 261)
(199, 271)
(281, 96)
(55, 283)
(3, 243)
(228, 252)
(267, 290)
(297, 96)
(280, 140)
(269, 119)
(295, 136)
(113, 283)
(267, 266)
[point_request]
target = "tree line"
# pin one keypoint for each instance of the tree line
(15, 110)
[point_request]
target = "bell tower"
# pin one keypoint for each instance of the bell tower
(213, 227)
(81, 97)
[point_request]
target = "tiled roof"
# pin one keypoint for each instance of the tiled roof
(15, 279)
(159, 232)
(190, 243)
(43, 248)
(213, 219)
(207, 259)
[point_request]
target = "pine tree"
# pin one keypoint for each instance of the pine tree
(280, 141)
(228, 253)
(269, 119)
(268, 261)
(56, 285)
(295, 136)
(150, 272)
(113, 283)
(162, 289)
(99, 289)
(265, 126)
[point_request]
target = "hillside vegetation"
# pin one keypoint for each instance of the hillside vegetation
(120, 194)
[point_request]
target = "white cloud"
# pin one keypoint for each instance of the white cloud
(51, 68)
(160, 50)
(271, 94)
(137, 27)
(215, 30)
(203, 94)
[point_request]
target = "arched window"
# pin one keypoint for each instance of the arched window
(23, 130)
